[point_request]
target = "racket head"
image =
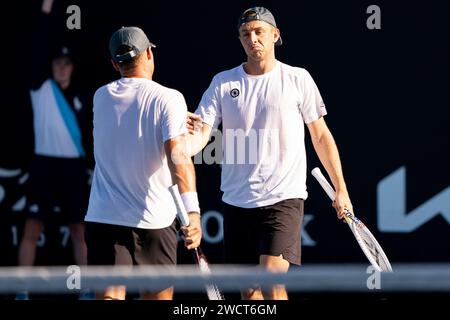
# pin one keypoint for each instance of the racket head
(368, 244)
(213, 292)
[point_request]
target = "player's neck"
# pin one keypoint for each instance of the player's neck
(138, 73)
(254, 67)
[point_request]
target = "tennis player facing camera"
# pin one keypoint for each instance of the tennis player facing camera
(264, 195)
(140, 151)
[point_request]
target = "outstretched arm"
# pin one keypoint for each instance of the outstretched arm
(199, 133)
(41, 47)
(328, 154)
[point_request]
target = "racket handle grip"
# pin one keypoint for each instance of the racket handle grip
(324, 183)
(181, 210)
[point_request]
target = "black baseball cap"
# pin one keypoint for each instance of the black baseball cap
(61, 52)
(261, 14)
(133, 37)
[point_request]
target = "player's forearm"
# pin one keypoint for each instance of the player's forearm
(180, 164)
(328, 154)
(184, 176)
(196, 142)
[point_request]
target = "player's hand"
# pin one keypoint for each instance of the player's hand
(194, 122)
(193, 233)
(342, 203)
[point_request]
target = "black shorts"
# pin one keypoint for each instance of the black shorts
(110, 244)
(271, 230)
(58, 182)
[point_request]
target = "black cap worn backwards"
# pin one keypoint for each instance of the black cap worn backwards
(133, 37)
(261, 14)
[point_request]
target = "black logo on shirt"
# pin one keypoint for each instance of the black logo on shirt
(234, 93)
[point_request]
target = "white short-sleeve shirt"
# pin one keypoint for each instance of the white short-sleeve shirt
(262, 116)
(133, 117)
(52, 136)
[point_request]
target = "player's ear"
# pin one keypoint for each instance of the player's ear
(276, 34)
(149, 53)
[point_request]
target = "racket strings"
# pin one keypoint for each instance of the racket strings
(370, 245)
(372, 248)
(214, 293)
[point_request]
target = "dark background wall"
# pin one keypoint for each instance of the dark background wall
(385, 90)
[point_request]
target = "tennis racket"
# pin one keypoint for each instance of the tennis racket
(366, 240)
(212, 291)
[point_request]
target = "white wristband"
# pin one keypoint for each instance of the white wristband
(190, 201)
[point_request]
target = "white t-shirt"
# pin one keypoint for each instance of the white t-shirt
(51, 133)
(266, 113)
(133, 117)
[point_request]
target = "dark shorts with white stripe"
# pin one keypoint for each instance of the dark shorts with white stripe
(269, 230)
